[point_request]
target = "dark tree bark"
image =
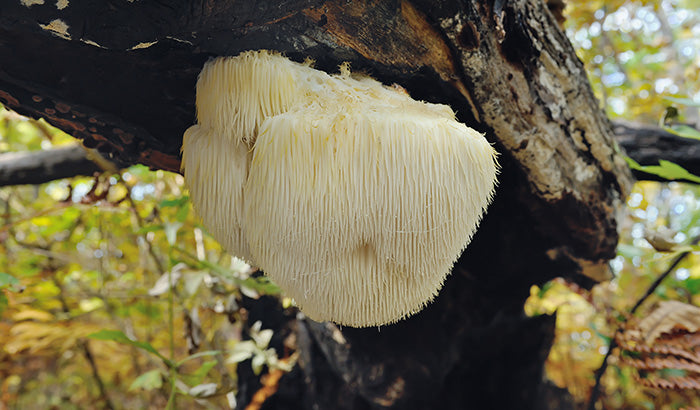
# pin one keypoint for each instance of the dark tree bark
(121, 76)
(647, 144)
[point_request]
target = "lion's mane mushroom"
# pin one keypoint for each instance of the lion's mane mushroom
(353, 197)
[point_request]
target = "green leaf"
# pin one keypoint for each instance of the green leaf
(182, 213)
(198, 375)
(683, 131)
(262, 284)
(148, 381)
(665, 169)
(8, 280)
(689, 102)
(675, 171)
(174, 202)
(120, 337)
(693, 285)
(149, 228)
(139, 171)
(206, 265)
(3, 303)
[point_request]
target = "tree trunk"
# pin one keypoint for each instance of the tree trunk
(121, 75)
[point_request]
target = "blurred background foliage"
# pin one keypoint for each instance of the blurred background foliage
(88, 316)
(642, 57)
(113, 296)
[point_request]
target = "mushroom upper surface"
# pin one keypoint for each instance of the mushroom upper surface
(354, 198)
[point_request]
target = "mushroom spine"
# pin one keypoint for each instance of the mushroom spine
(354, 198)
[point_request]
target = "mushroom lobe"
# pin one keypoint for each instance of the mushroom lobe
(354, 198)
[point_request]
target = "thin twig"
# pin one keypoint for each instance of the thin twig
(10, 225)
(171, 330)
(171, 404)
(141, 223)
(595, 392)
(95, 373)
(64, 305)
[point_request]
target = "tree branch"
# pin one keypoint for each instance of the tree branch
(647, 144)
(122, 78)
(644, 143)
(37, 167)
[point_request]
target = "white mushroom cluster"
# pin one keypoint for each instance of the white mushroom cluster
(354, 198)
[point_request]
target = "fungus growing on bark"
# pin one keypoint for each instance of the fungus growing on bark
(354, 198)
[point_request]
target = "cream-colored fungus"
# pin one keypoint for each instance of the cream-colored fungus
(354, 198)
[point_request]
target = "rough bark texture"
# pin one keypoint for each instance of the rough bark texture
(121, 76)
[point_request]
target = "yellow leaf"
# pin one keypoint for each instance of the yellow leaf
(32, 314)
(33, 337)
